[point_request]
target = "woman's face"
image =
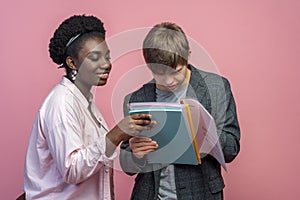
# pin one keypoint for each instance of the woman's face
(93, 63)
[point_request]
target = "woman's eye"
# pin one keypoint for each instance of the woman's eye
(107, 57)
(94, 58)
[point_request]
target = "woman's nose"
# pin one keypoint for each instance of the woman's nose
(105, 64)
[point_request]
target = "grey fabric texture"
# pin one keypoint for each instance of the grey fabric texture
(204, 181)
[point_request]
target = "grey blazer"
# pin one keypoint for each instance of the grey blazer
(192, 182)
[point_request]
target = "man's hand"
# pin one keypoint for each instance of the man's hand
(141, 146)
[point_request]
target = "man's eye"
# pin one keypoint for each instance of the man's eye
(175, 72)
(159, 74)
(178, 70)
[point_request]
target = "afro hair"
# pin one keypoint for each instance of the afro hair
(77, 24)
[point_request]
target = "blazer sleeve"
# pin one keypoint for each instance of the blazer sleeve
(129, 163)
(225, 116)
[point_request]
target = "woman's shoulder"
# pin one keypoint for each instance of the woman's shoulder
(59, 97)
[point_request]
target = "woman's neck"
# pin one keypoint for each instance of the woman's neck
(84, 89)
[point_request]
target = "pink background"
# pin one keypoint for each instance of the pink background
(256, 44)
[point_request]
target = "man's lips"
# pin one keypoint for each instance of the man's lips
(171, 87)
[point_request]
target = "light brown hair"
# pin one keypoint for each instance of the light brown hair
(165, 45)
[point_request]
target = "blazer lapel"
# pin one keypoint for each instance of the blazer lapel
(149, 91)
(197, 88)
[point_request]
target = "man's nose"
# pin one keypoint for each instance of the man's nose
(168, 79)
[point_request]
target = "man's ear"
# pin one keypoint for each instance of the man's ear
(71, 63)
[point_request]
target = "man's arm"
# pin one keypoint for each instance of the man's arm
(129, 163)
(225, 116)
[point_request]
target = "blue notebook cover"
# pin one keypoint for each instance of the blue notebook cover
(172, 133)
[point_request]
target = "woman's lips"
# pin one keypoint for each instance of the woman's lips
(104, 76)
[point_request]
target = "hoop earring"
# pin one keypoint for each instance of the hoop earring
(73, 74)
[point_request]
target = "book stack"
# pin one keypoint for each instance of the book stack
(185, 132)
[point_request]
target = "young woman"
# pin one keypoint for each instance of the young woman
(71, 151)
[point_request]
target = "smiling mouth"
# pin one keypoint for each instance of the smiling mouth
(104, 75)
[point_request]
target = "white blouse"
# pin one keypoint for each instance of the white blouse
(66, 152)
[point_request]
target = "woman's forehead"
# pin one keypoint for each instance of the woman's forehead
(94, 44)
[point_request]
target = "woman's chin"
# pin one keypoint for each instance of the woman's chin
(102, 82)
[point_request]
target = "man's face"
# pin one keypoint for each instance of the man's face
(171, 79)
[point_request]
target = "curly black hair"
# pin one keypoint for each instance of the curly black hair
(73, 26)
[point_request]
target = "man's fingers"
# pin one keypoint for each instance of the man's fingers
(144, 149)
(140, 139)
(141, 154)
(144, 145)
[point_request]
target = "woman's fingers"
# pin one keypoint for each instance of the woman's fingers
(134, 124)
(141, 116)
(143, 119)
(140, 125)
(142, 122)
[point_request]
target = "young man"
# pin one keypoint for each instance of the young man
(166, 51)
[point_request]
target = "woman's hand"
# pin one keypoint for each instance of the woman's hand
(132, 125)
(127, 128)
(141, 146)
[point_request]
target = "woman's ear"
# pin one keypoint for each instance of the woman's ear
(71, 63)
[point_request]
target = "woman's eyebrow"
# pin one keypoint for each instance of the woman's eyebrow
(95, 52)
(99, 52)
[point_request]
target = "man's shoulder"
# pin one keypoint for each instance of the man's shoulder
(145, 92)
(209, 78)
